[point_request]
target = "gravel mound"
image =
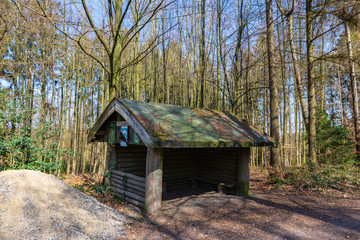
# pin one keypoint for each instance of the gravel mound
(34, 205)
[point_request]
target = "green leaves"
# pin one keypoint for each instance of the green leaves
(18, 148)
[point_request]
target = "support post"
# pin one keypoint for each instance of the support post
(110, 162)
(154, 175)
(111, 159)
(243, 177)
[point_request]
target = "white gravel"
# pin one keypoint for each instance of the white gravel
(34, 205)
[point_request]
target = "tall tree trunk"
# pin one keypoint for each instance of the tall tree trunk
(202, 55)
(166, 84)
(218, 57)
(296, 67)
(311, 84)
(297, 75)
(136, 51)
(274, 103)
(354, 89)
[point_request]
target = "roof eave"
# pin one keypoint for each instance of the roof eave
(204, 144)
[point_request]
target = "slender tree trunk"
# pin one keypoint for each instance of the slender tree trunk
(354, 89)
(296, 67)
(218, 56)
(202, 55)
(311, 84)
(166, 84)
(275, 160)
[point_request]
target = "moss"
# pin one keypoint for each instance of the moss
(243, 188)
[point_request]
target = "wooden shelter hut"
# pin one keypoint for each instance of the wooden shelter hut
(158, 147)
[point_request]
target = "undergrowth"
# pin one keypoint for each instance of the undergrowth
(344, 177)
(95, 188)
(337, 163)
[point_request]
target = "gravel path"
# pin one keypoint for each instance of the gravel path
(34, 205)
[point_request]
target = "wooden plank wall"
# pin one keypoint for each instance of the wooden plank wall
(131, 160)
(179, 168)
(217, 165)
(128, 187)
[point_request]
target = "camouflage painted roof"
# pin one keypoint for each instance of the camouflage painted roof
(177, 126)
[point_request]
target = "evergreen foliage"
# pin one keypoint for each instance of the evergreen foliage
(334, 143)
(336, 155)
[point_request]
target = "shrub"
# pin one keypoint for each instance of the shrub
(334, 143)
(336, 156)
(338, 176)
(18, 148)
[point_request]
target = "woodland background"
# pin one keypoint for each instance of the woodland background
(288, 67)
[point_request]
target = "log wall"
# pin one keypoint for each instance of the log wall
(131, 160)
(129, 187)
(217, 165)
(179, 168)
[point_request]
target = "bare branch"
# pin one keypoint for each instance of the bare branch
(94, 28)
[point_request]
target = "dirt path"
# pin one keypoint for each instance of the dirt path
(267, 214)
(261, 216)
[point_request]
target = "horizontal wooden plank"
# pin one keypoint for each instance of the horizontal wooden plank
(129, 194)
(218, 178)
(131, 157)
(130, 200)
(128, 185)
(132, 188)
(128, 175)
(209, 180)
(217, 167)
(139, 173)
(122, 123)
(179, 169)
(133, 170)
(129, 181)
(133, 151)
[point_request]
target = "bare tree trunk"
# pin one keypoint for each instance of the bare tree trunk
(275, 160)
(311, 84)
(166, 84)
(354, 89)
(296, 67)
(202, 55)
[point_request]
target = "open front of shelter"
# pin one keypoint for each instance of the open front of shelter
(154, 148)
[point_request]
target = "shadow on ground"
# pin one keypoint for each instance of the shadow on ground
(210, 215)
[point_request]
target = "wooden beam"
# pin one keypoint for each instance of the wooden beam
(127, 187)
(243, 176)
(111, 158)
(129, 182)
(154, 175)
(128, 175)
(130, 200)
(125, 193)
(122, 123)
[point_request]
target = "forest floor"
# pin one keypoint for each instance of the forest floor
(268, 213)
